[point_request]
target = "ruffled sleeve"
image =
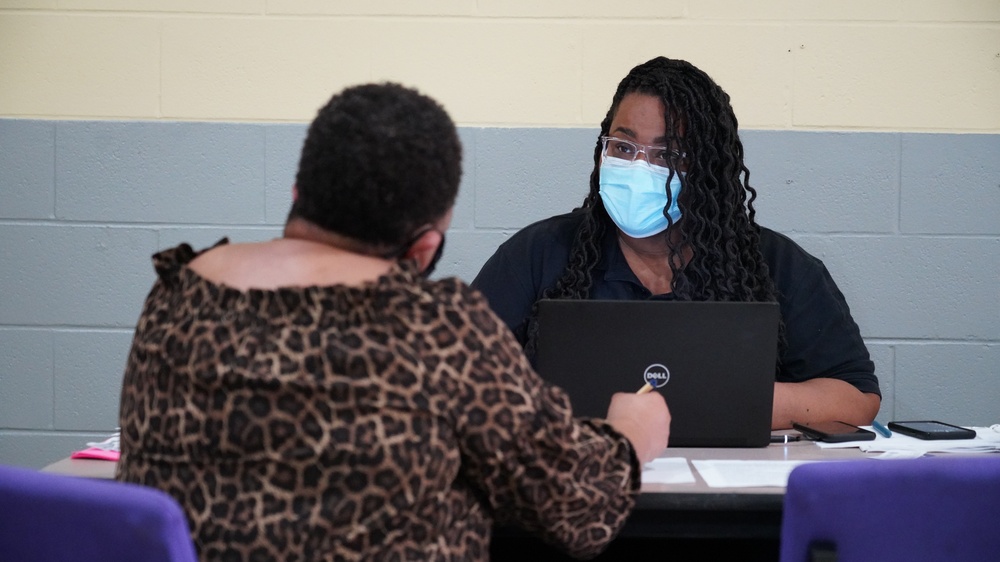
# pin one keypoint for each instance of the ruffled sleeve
(168, 263)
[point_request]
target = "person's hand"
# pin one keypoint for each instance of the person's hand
(644, 419)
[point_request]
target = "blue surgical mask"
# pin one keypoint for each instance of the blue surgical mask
(635, 195)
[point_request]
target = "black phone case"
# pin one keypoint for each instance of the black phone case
(947, 430)
(859, 435)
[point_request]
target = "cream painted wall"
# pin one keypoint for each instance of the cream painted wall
(882, 65)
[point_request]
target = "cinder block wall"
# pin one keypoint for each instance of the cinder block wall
(872, 131)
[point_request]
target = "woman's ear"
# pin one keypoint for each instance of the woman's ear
(425, 248)
(295, 192)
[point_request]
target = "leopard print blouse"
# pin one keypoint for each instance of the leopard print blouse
(397, 420)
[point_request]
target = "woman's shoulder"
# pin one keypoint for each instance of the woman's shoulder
(543, 236)
(446, 305)
(449, 293)
(780, 249)
(565, 224)
(793, 269)
(168, 263)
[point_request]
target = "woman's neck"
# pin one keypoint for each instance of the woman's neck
(649, 259)
(305, 255)
(299, 229)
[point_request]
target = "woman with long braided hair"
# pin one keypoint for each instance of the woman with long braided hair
(670, 216)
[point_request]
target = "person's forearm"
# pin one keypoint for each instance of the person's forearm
(821, 400)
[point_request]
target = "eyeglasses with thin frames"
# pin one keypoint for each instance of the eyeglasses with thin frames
(627, 150)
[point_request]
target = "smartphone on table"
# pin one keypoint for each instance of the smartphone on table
(834, 431)
(930, 430)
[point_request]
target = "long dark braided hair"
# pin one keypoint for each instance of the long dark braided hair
(717, 226)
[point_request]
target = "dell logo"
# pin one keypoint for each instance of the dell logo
(656, 375)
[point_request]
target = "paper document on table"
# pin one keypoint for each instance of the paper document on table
(745, 474)
(667, 471)
(987, 440)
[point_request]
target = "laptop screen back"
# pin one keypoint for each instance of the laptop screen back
(714, 362)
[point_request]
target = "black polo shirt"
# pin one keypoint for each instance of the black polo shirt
(823, 339)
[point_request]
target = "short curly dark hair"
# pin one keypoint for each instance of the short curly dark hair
(379, 161)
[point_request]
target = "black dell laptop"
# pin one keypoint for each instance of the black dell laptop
(714, 362)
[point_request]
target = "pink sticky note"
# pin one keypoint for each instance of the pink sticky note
(96, 453)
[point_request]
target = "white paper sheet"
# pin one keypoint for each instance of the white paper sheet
(673, 470)
(745, 473)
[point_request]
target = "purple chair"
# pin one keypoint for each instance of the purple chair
(888, 510)
(67, 518)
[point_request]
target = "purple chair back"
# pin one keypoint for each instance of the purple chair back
(66, 518)
(888, 510)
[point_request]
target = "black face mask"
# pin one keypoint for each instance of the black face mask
(434, 260)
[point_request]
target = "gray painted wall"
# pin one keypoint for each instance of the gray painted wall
(907, 224)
